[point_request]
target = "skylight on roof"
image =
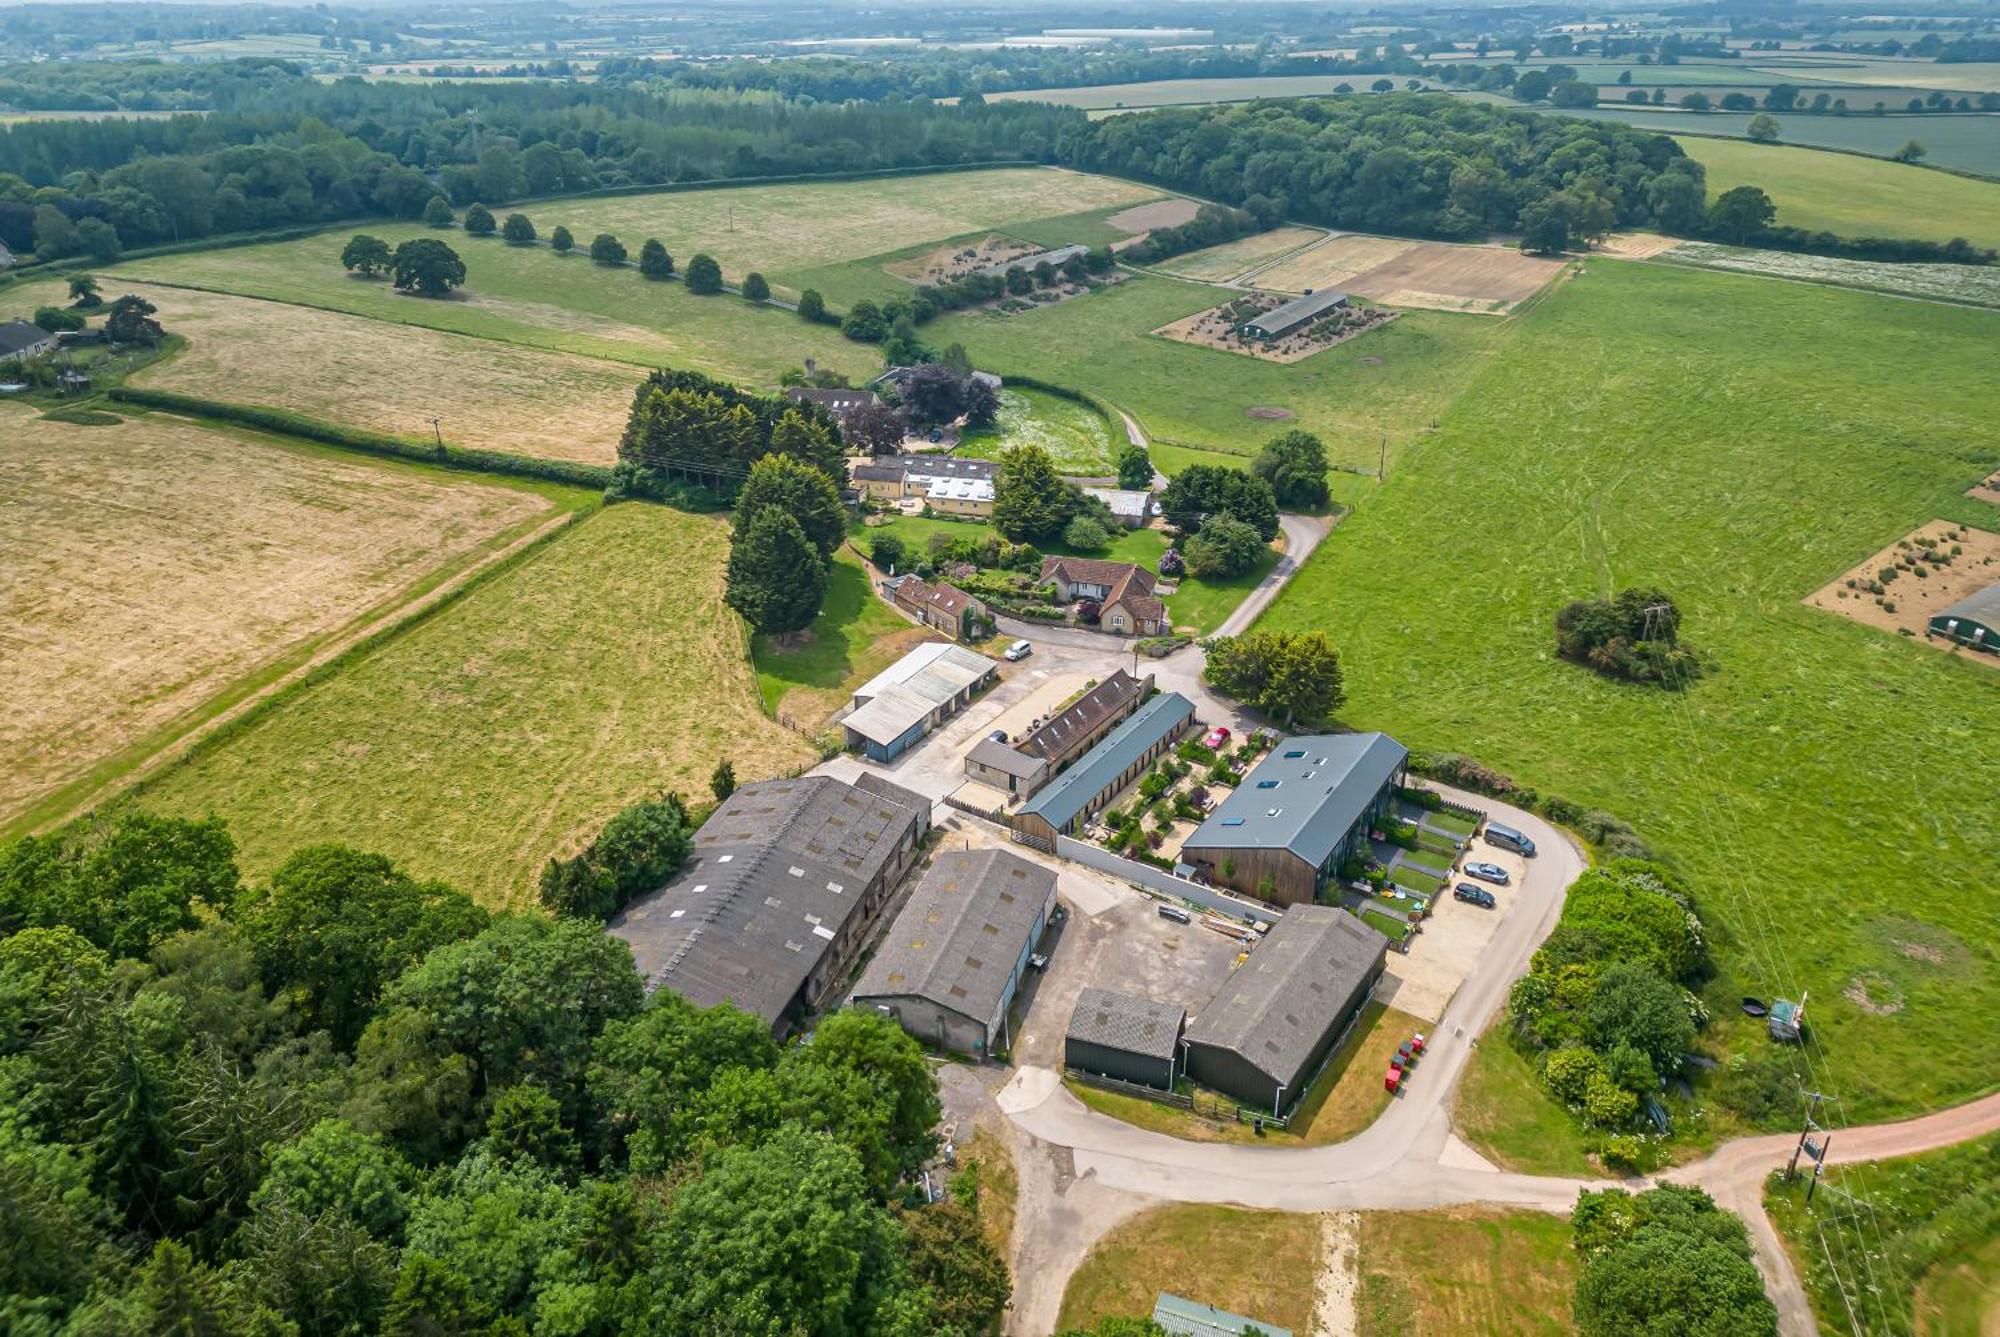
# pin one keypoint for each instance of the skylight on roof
(1267, 784)
(1232, 821)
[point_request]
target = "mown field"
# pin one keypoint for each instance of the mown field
(1389, 383)
(1260, 1264)
(1219, 264)
(506, 728)
(1464, 1270)
(1969, 143)
(152, 568)
(1854, 196)
(1734, 442)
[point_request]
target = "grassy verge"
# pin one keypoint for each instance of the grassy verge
(1258, 1264)
(1503, 1111)
(986, 1153)
(1464, 1270)
(855, 636)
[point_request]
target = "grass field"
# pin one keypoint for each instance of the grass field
(1076, 436)
(1734, 442)
(149, 567)
(1920, 1257)
(1504, 1112)
(1218, 264)
(855, 636)
(1855, 197)
(1464, 1270)
(1259, 1264)
(1965, 143)
(1973, 285)
(1389, 382)
(1966, 77)
(1187, 92)
(507, 727)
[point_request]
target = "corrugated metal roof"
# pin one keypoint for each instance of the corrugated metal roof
(1981, 607)
(1304, 796)
(1122, 1021)
(1299, 309)
(940, 658)
(1183, 1317)
(1277, 1006)
(1065, 797)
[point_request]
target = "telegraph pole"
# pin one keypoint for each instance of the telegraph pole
(1806, 1145)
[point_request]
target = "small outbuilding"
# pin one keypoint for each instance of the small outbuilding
(1293, 315)
(1973, 621)
(1126, 1038)
(914, 695)
(1179, 1316)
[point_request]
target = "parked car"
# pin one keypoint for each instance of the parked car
(1039, 961)
(1018, 651)
(1479, 896)
(1175, 913)
(998, 735)
(1488, 872)
(1215, 739)
(1507, 838)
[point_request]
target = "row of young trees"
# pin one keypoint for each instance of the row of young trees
(345, 1100)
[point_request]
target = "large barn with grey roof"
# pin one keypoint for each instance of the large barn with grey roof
(784, 883)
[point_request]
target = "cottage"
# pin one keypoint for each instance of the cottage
(1127, 605)
(944, 608)
(1124, 1038)
(1295, 819)
(1060, 807)
(20, 339)
(950, 965)
(784, 884)
(1282, 1011)
(1973, 620)
(927, 686)
(1293, 315)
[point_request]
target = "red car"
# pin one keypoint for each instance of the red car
(1215, 738)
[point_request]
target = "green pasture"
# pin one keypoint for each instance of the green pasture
(1076, 436)
(856, 635)
(507, 727)
(1965, 143)
(1855, 197)
(1390, 382)
(1735, 442)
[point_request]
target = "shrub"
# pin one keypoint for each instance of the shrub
(560, 241)
(704, 275)
(1086, 534)
(437, 212)
(479, 221)
(518, 230)
(756, 288)
(812, 307)
(606, 249)
(654, 262)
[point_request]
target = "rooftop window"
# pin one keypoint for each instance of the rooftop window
(1296, 752)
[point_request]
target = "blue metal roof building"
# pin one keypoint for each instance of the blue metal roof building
(1100, 773)
(1294, 819)
(1183, 1317)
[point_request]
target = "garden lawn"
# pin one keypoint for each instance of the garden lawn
(1918, 1257)
(1854, 196)
(1076, 436)
(1465, 1270)
(506, 728)
(855, 636)
(1389, 382)
(1260, 1264)
(1734, 442)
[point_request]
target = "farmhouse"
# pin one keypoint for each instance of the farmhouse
(1295, 314)
(1130, 507)
(1074, 728)
(901, 477)
(1295, 819)
(1280, 1013)
(960, 496)
(1973, 620)
(943, 607)
(18, 338)
(785, 881)
(914, 695)
(1125, 1038)
(1058, 258)
(1059, 808)
(1124, 593)
(953, 960)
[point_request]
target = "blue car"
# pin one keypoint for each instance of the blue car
(1479, 896)
(1488, 872)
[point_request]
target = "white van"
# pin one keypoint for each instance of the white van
(1018, 651)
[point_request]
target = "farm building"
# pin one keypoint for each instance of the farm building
(1124, 593)
(915, 694)
(839, 401)
(19, 338)
(902, 477)
(1973, 620)
(1282, 1011)
(951, 963)
(1077, 726)
(784, 883)
(942, 607)
(1059, 257)
(900, 376)
(1179, 1316)
(995, 763)
(1130, 507)
(1284, 833)
(1293, 315)
(1129, 1039)
(1059, 807)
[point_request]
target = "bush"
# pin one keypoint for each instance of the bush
(756, 288)
(479, 221)
(654, 262)
(437, 212)
(704, 276)
(560, 241)
(518, 230)
(1635, 636)
(606, 249)
(1086, 534)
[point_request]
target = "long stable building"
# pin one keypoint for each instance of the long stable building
(950, 965)
(785, 881)
(1279, 1014)
(1285, 831)
(1059, 807)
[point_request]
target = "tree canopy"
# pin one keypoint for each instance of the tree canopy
(1294, 675)
(1030, 500)
(428, 266)
(1295, 466)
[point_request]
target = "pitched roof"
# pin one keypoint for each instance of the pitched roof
(946, 598)
(942, 466)
(935, 667)
(961, 934)
(1983, 606)
(1277, 1006)
(776, 872)
(16, 335)
(1304, 796)
(1136, 594)
(1282, 318)
(1122, 501)
(996, 755)
(1122, 1021)
(1182, 1317)
(959, 489)
(1092, 571)
(1082, 716)
(1063, 799)
(835, 399)
(1054, 257)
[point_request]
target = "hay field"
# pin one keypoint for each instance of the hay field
(506, 728)
(147, 566)
(1231, 260)
(1186, 92)
(1331, 264)
(1487, 280)
(1855, 197)
(1465, 1269)
(1962, 77)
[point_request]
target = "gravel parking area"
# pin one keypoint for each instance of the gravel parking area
(1453, 939)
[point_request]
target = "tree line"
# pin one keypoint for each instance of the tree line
(343, 1099)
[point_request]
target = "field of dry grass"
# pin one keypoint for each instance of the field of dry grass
(1219, 264)
(1460, 1270)
(1331, 264)
(509, 726)
(1427, 275)
(1259, 1264)
(147, 565)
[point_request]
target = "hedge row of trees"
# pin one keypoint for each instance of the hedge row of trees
(687, 425)
(347, 1100)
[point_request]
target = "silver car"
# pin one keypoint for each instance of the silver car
(1488, 872)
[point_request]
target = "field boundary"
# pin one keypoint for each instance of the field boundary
(1665, 258)
(1782, 143)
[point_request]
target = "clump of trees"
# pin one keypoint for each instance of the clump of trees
(789, 521)
(1634, 636)
(934, 392)
(366, 256)
(1665, 1260)
(1294, 464)
(1212, 225)
(636, 851)
(1225, 518)
(427, 266)
(684, 425)
(1288, 675)
(129, 320)
(1031, 501)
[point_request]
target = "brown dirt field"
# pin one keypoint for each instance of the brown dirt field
(1439, 277)
(148, 565)
(1636, 245)
(1160, 213)
(392, 378)
(950, 262)
(1974, 569)
(1331, 264)
(1986, 489)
